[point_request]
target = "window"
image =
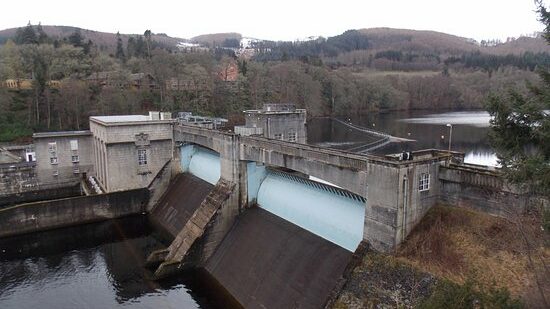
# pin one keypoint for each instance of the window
(424, 182)
(142, 157)
(291, 136)
(56, 173)
(52, 149)
(76, 169)
(74, 145)
(279, 136)
(74, 158)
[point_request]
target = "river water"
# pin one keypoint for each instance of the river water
(96, 266)
(428, 128)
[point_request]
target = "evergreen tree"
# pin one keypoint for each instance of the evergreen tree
(26, 35)
(147, 35)
(520, 129)
(42, 36)
(76, 38)
(119, 48)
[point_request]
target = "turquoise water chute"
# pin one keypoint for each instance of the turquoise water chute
(201, 162)
(329, 212)
(334, 214)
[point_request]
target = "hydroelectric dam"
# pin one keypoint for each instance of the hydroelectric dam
(249, 211)
(266, 231)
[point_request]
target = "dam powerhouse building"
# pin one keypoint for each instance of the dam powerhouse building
(241, 206)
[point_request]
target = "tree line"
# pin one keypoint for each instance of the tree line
(189, 81)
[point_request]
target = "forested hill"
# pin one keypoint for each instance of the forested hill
(104, 40)
(54, 78)
(371, 39)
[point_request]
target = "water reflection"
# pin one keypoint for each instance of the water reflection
(93, 266)
(429, 129)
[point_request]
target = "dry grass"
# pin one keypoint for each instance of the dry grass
(456, 243)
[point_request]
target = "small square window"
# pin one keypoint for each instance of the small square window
(142, 157)
(279, 136)
(424, 182)
(53, 160)
(52, 147)
(75, 158)
(292, 136)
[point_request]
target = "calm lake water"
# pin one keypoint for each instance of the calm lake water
(95, 266)
(470, 129)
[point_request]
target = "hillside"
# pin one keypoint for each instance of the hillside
(417, 41)
(215, 39)
(438, 42)
(103, 39)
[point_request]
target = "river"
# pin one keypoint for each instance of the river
(96, 266)
(428, 128)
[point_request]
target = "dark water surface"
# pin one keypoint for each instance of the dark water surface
(96, 266)
(428, 128)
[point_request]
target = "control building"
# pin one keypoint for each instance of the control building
(276, 121)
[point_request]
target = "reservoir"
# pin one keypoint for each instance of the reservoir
(428, 128)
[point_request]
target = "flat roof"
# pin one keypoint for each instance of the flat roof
(261, 111)
(61, 133)
(121, 118)
(128, 120)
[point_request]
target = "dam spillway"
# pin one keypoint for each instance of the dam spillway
(268, 262)
(329, 212)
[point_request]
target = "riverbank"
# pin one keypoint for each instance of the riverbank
(456, 253)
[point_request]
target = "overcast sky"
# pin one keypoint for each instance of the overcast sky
(279, 19)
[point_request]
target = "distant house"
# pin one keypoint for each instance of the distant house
(114, 79)
(18, 84)
(186, 84)
(143, 81)
(25, 84)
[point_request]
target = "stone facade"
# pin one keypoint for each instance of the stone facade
(63, 157)
(129, 151)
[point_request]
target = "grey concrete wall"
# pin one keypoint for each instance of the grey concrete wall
(41, 193)
(414, 203)
(17, 178)
(381, 211)
(479, 189)
(65, 169)
(37, 216)
(160, 184)
(123, 170)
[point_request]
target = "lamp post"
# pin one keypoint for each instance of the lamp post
(450, 135)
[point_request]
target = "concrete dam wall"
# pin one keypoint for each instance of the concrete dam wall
(268, 262)
(180, 201)
(44, 215)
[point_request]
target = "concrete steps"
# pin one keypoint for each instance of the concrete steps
(171, 258)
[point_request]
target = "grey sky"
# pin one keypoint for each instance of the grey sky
(280, 19)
